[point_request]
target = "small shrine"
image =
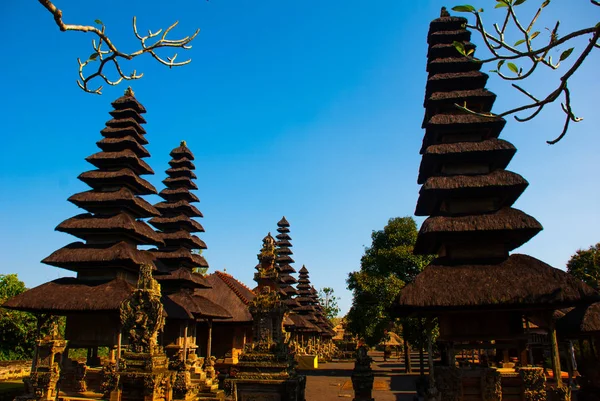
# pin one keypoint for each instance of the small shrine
(483, 296)
(266, 367)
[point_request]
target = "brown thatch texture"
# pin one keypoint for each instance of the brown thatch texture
(186, 275)
(123, 177)
(580, 321)
(69, 294)
(498, 178)
(182, 206)
(126, 122)
(180, 256)
(124, 158)
(497, 153)
(85, 224)
(452, 81)
(78, 256)
(195, 305)
(447, 23)
(510, 226)
(229, 293)
(110, 132)
(500, 184)
(119, 144)
(177, 194)
(128, 102)
(301, 323)
(184, 162)
(455, 120)
(123, 199)
(183, 182)
(520, 282)
(283, 222)
(181, 172)
(127, 113)
(458, 35)
(181, 152)
(446, 50)
(452, 64)
(180, 221)
(182, 238)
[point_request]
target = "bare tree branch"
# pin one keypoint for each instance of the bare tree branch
(113, 56)
(504, 54)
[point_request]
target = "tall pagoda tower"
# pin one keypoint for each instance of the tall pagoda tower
(284, 261)
(307, 304)
(176, 221)
(477, 290)
(106, 261)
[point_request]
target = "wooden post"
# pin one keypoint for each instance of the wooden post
(185, 341)
(429, 328)
(209, 343)
(407, 362)
(119, 339)
(38, 329)
(554, 351)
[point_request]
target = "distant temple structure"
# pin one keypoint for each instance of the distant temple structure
(483, 297)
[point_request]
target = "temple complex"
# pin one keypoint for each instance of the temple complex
(482, 296)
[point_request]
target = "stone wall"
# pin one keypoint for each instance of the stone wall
(14, 370)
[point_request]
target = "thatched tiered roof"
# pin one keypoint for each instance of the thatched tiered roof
(468, 195)
(112, 227)
(176, 221)
(284, 261)
(307, 302)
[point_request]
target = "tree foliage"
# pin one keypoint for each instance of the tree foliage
(17, 329)
(387, 265)
(329, 302)
(585, 265)
(533, 48)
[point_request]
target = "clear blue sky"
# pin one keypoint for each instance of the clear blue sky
(308, 109)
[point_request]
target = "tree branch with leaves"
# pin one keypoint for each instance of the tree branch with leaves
(525, 50)
(106, 52)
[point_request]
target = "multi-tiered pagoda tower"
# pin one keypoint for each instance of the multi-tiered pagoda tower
(307, 311)
(284, 261)
(478, 291)
(106, 261)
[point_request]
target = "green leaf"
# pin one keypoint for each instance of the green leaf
(519, 2)
(566, 54)
(501, 63)
(534, 35)
(513, 67)
(97, 21)
(93, 56)
(464, 9)
(544, 4)
(501, 3)
(518, 42)
(493, 70)
(460, 47)
(471, 51)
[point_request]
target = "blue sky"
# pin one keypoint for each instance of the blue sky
(307, 109)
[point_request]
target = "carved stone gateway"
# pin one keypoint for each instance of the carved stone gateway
(265, 371)
(143, 372)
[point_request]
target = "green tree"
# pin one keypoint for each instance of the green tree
(329, 302)
(387, 265)
(585, 265)
(17, 329)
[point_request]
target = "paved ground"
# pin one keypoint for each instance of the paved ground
(331, 380)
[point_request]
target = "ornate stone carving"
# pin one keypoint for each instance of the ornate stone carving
(142, 313)
(534, 383)
(491, 385)
(362, 375)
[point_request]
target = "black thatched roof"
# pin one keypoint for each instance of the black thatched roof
(119, 144)
(78, 256)
(510, 226)
(184, 275)
(185, 305)
(520, 282)
(496, 153)
(69, 295)
(580, 322)
(503, 186)
(98, 179)
(122, 199)
(124, 158)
